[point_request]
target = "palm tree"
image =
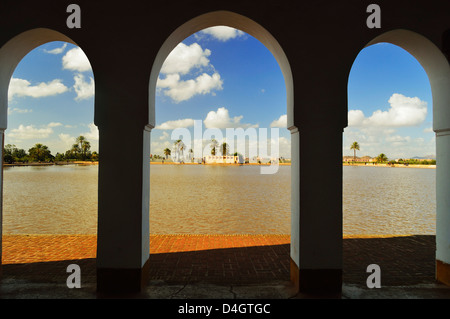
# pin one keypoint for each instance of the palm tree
(179, 150)
(354, 147)
(382, 158)
(224, 148)
(39, 152)
(85, 149)
(181, 146)
(83, 146)
(214, 144)
(75, 150)
(167, 152)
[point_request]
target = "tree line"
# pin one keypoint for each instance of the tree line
(179, 146)
(40, 153)
(382, 158)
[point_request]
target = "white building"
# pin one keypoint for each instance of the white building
(219, 159)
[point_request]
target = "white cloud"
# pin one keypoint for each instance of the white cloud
(21, 87)
(164, 136)
(17, 110)
(171, 125)
(157, 147)
(180, 90)
(30, 132)
(404, 111)
(376, 140)
(84, 89)
(76, 60)
(398, 139)
(284, 147)
(54, 124)
(184, 58)
(428, 130)
(355, 118)
(281, 122)
(223, 33)
(181, 61)
(65, 142)
(92, 135)
(57, 50)
(221, 119)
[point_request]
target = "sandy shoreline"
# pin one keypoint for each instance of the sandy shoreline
(51, 164)
(219, 164)
(289, 164)
(392, 166)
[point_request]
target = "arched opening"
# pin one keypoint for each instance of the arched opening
(409, 202)
(258, 33)
(49, 176)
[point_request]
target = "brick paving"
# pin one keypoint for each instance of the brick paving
(404, 260)
(220, 259)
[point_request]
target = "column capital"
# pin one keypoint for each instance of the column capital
(442, 132)
(293, 129)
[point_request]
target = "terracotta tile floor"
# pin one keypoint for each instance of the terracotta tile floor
(403, 260)
(175, 258)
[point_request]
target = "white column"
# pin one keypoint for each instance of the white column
(2, 143)
(123, 210)
(145, 249)
(295, 204)
(317, 201)
(443, 206)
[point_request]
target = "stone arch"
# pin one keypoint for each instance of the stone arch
(11, 54)
(437, 69)
(435, 65)
(230, 19)
(249, 26)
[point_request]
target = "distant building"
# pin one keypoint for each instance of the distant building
(219, 159)
(364, 159)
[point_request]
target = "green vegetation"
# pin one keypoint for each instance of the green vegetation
(414, 162)
(382, 158)
(167, 152)
(214, 144)
(224, 148)
(354, 147)
(40, 153)
(12, 154)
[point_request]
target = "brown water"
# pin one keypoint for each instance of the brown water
(50, 200)
(386, 200)
(217, 199)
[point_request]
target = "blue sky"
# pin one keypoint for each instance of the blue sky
(51, 99)
(225, 78)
